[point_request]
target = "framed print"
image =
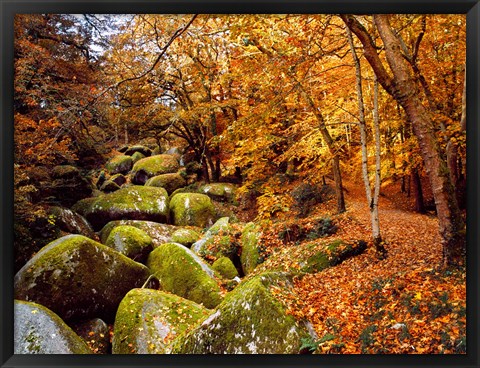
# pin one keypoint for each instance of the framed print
(255, 183)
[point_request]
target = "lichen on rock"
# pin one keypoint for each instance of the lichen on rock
(38, 330)
(78, 278)
(250, 320)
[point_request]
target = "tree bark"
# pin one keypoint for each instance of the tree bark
(417, 187)
(371, 200)
(402, 87)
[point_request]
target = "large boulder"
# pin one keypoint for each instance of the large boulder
(159, 233)
(182, 272)
(148, 320)
(222, 192)
(185, 236)
(38, 330)
(77, 278)
(250, 256)
(250, 320)
(170, 182)
(131, 242)
(71, 222)
(132, 203)
(152, 166)
(191, 209)
(120, 164)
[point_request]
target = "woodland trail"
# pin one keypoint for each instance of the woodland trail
(350, 298)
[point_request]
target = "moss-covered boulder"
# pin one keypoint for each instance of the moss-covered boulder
(183, 273)
(332, 255)
(149, 167)
(250, 255)
(185, 236)
(96, 333)
(131, 242)
(130, 203)
(159, 233)
(225, 267)
(250, 320)
(71, 222)
(109, 186)
(137, 156)
(77, 278)
(119, 164)
(170, 182)
(222, 192)
(145, 151)
(148, 320)
(191, 209)
(38, 330)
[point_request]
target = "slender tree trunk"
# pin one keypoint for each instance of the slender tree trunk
(333, 149)
(402, 87)
(371, 200)
(377, 238)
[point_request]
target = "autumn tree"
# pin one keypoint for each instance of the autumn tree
(402, 84)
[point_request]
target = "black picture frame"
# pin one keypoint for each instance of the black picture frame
(11, 7)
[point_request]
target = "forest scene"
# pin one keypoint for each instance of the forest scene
(240, 184)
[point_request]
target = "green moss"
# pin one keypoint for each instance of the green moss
(333, 254)
(225, 268)
(160, 233)
(137, 156)
(250, 320)
(77, 277)
(119, 164)
(156, 165)
(191, 209)
(134, 203)
(170, 182)
(131, 242)
(181, 272)
(250, 256)
(185, 237)
(148, 320)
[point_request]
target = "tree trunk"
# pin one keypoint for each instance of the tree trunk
(417, 187)
(403, 88)
(333, 149)
(371, 200)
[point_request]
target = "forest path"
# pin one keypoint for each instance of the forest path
(332, 298)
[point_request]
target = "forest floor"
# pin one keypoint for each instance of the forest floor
(406, 303)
